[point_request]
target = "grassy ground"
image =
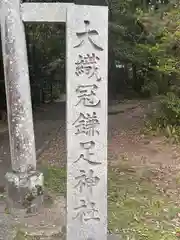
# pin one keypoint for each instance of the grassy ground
(144, 180)
(136, 208)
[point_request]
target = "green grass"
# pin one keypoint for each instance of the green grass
(136, 210)
(20, 235)
(55, 179)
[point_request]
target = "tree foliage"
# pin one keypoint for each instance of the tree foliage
(144, 37)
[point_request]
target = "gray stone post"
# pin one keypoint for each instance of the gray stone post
(24, 184)
(86, 70)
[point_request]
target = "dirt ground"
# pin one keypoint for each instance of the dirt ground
(125, 140)
(47, 120)
(144, 178)
(145, 174)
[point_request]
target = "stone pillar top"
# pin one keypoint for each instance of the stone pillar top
(91, 2)
(78, 2)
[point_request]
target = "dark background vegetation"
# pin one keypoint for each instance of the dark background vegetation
(144, 57)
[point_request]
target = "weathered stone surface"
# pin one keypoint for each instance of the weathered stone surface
(44, 12)
(49, 223)
(7, 231)
(87, 65)
(24, 185)
(87, 46)
(25, 192)
(21, 132)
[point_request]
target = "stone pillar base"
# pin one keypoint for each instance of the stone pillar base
(24, 192)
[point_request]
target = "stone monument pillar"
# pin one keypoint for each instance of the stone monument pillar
(86, 71)
(24, 183)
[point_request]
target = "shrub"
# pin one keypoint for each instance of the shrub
(170, 109)
(166, 119)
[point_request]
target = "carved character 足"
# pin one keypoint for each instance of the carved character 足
(87, 146)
